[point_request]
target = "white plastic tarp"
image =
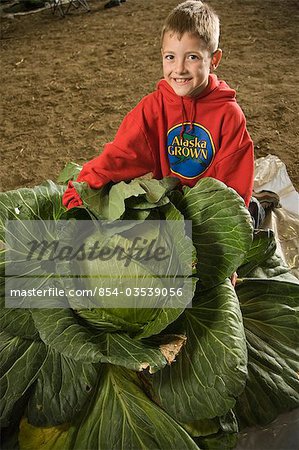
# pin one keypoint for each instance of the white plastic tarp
(271, 175)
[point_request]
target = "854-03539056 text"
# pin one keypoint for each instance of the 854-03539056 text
(101, 291)
(65, 292)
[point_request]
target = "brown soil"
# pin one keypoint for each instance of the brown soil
(67, 83)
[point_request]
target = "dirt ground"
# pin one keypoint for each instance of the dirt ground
(67, 83)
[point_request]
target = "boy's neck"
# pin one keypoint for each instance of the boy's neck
(200, 89)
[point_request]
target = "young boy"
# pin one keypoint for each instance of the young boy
(190, 127)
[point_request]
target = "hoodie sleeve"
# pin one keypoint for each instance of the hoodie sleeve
(234, 164)
(127, 157)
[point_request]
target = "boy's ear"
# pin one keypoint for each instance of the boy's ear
(216, 58)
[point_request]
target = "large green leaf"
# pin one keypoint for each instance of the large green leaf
(60, 330)
(104, 319)
(124, 351)
(40, 202)
(9, 436)
(262, 261)
(121, 416)
(210, 372)
(21, 360)
(42, 438)
(16, 322)
(263, 247)
(223, 438)
(69, 172)
(203, 427)
(270, 315)
(219, 441)
(110, 202)
(222, 230)
(62, 387)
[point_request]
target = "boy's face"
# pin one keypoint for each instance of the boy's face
(187, 63)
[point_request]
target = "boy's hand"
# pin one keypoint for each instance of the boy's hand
(71, 198)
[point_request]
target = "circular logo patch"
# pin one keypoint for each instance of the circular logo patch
(190, 153)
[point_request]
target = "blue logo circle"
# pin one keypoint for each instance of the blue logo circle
(190, 150)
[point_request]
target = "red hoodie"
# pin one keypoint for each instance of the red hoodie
(168, 135)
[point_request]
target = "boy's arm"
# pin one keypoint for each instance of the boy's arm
(235, 161)
(127, 157)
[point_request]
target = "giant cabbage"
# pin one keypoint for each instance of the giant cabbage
(158, 378)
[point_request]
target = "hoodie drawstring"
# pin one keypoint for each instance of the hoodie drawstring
(184, 116)
(192, 118)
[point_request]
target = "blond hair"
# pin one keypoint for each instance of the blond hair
(197, 18)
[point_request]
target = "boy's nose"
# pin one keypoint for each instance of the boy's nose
(180, 67)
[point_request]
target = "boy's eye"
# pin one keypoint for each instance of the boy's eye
(193, 57)
(169, 57)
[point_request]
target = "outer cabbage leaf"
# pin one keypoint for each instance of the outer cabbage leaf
(262, 261)
(156, 193)
(225, 438)
(69, 172)
(210, 371)
(9, 434)
(222, 230)
(270, 315)
(16, 322)
(127, 418)
(61, 389)
(60, 330)
(40, 202)
(219, 441)
(21, 360)
(158, 323)
(124, 351)
(110, 202)
(119, 417)
(203, 427)
(42, 438)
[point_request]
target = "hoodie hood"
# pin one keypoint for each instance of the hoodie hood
(217, 90)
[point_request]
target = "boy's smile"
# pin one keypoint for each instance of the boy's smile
(187, 63)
